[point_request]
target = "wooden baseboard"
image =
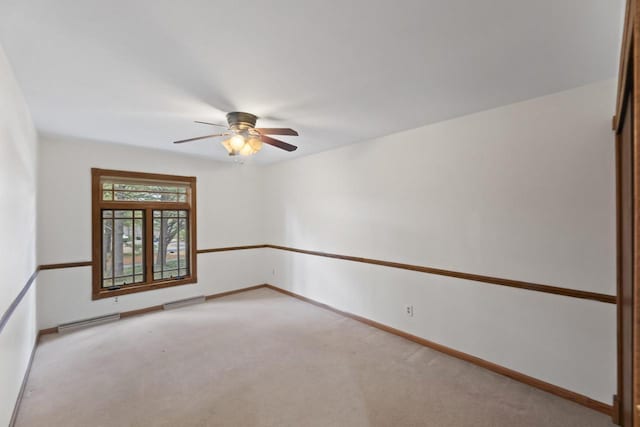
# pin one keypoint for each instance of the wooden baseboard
(523, 378)
(235, 291)
(615, 410)
(47, 331)
(140, 311)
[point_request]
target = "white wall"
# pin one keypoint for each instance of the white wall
(228, 214)
(525, 192)
(18, 156)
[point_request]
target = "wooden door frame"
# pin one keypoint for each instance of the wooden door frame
(629, 78)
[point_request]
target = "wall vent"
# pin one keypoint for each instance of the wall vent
(184, 302)
(67, 327)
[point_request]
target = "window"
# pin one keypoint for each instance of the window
(143, 231)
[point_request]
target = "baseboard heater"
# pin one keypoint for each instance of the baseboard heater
(72, 326)
(183, 302)
(67, 327)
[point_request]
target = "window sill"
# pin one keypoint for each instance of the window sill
(143, 287)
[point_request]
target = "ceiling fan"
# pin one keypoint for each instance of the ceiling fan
(244, 138)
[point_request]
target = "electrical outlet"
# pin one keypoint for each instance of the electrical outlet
(115, 300)
(273, 272)
(408, 309)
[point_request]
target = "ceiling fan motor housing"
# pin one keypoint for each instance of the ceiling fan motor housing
(239, 120)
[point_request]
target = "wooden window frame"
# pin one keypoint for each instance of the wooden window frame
(97, 204)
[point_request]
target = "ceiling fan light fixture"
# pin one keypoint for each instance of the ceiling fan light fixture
(255, 144)
(237, 142)
(246, 150)
(251, 146)
(227, 145)
(238, 145)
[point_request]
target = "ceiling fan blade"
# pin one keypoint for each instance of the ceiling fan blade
(199, 137)
(212, 124)
(277, 131)
(277, 143)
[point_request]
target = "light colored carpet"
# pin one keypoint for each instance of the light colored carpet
(264, 359)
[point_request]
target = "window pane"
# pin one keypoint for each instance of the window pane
(183, 245)
(122, 247)
(138, 246)
(123, 214)
(140, 196)
(170, 274)
(124, 280)
(140, 192)
(145, 196)
(122, 264)
(170, 248)
(107, 247)
(151, 188)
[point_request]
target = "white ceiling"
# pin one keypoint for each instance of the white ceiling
(140, 71)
